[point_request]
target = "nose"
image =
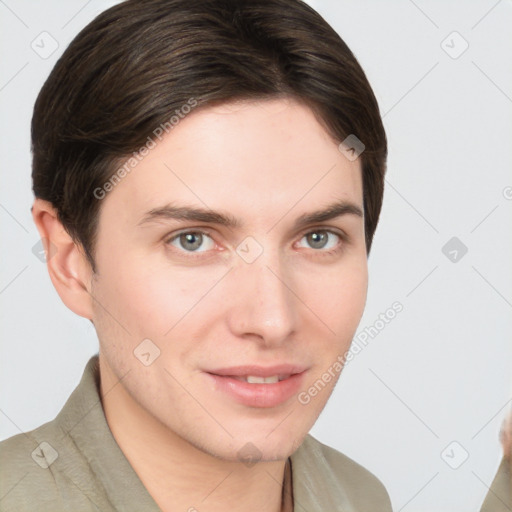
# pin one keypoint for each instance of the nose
(264, 306)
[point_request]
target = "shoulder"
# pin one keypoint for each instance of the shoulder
(499, 497)
(348, 482)
(26, 478)
(44, 471)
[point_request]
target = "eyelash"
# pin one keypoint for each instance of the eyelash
(320, 252)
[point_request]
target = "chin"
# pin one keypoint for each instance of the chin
(251, 449)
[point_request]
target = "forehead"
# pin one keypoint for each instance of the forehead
(251, 157)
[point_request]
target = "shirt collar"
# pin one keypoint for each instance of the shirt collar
(83, 419)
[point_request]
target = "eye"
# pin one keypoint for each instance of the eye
(322, 239)
(192, 241)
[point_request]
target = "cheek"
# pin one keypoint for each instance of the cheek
(152, 295)
(338, 297)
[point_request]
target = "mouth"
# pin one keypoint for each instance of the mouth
(254, 379)
(258, 387)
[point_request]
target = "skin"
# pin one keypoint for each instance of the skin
(265, 163)
(506, 435)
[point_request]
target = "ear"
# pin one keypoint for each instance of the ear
(69, 269)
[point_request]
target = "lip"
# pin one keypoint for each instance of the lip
(258, 371)
(258, 395)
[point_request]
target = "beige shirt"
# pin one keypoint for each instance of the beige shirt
(499, 497)
(74, 463)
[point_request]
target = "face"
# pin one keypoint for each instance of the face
(219, 299)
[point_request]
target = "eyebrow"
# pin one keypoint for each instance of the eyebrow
(187, 213)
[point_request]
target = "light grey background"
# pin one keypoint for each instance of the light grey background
(441, 370)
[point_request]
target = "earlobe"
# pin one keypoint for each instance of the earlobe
(67, 264)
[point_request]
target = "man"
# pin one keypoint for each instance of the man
(208, 179)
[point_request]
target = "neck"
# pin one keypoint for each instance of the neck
(180, 476)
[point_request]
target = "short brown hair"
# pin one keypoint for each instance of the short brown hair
(140, 61)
